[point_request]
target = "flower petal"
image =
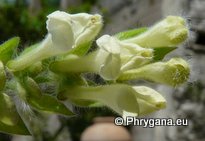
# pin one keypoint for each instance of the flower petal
(108, 44)
(61, 33)
(149, 100)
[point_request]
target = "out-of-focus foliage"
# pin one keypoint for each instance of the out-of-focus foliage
(86, 6)
(17, 20)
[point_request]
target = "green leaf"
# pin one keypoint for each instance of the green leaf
(73, 79)
(19, 128)
(130, 33)
(46, 77)
(160, 52)
(41, 101)
(2, 76)
(10, 121)
(8, 48)
(32, 87)
(69, 81)
(25, 111)
(50, 104)
(81, 50)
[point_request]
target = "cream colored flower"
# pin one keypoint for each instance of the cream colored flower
(65, 31)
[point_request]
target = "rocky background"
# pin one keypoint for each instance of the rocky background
(187, 101)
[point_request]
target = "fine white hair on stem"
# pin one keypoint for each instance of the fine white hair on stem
(23, 106)
(33, 123)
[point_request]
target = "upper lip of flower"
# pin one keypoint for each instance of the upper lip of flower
(109, 44)
(112, 45)
(78, 23)
(93, 21)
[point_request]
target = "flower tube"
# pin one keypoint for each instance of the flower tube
(123, 99)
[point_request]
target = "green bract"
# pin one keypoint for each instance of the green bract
(51, 76)
(8, 49)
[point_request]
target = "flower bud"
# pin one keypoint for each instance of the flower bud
(174, 72)
(170, 32)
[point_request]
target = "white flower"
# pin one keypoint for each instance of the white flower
(73, 28)
(123, 99)
(120, 56)
(148, 100)
(65, 31)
